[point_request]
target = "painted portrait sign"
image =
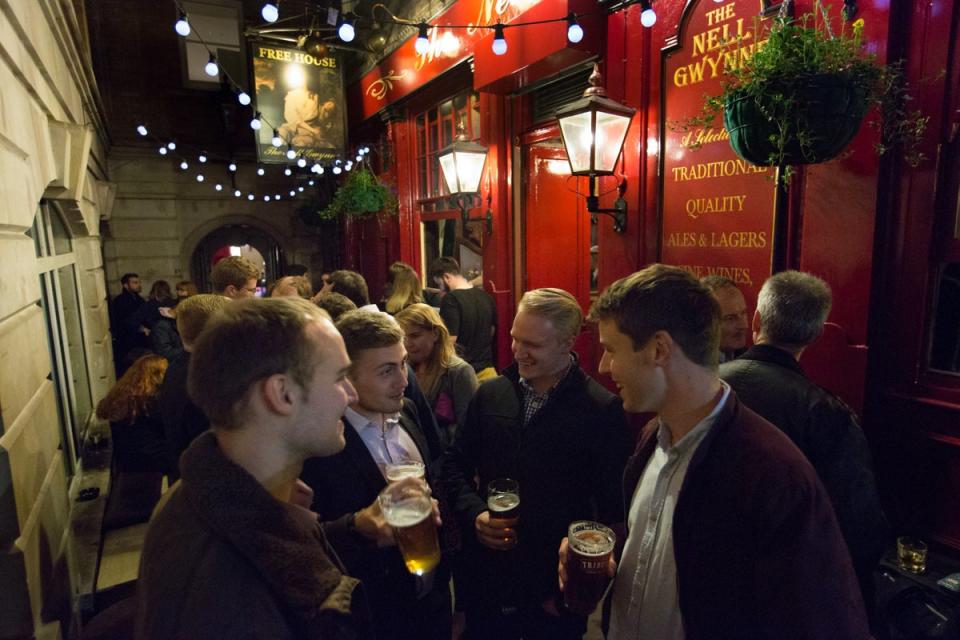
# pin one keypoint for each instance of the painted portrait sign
(718, 210)
(302, 96)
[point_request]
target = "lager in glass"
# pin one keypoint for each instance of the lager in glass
(408, 509)
(588, 554)
(503, 498)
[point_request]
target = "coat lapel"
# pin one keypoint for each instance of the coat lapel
(356, 452)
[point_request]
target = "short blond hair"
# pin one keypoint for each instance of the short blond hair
(299, 283)
(233, 270)
(558, 306)
(193, 313)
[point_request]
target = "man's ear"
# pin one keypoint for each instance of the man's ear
(663, 346)
(277, 393)
(756, 325)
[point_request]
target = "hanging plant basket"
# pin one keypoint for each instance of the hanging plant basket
(361, 195)
(820, 115)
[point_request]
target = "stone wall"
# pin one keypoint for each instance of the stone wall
(51, 149)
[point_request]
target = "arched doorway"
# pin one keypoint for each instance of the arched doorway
(237, 239)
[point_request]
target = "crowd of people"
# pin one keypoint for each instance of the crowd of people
(745, 508)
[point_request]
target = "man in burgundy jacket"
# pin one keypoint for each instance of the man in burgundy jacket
(731, 534)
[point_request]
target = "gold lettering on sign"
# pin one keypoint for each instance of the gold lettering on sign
(716, 169)
(717, 240)
(740, 275)
(379, 88)
(696, 207)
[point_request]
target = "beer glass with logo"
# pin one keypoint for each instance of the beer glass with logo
(503, 498)
(408, 509)
(589, 545)
(396, 471)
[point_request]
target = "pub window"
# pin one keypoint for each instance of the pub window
(218, 22)
(944, 345)
(442, 233)
(61, 302)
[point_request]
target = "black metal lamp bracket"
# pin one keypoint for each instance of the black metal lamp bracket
(462, 201)
(619, 210)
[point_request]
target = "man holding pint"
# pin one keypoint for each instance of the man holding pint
(409, 596)
(546, 433)
(731, 535)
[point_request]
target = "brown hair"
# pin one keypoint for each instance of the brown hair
(352, 285)
(301, 284)
(403, 286)
(362, 330)
(251, 339)
(336, 304)
(193, 313)
(160, 290)
(665, 298)
(135, 391)
(232, 270)
(426, 318)
(189, 286)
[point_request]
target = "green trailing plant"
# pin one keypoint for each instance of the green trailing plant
(362, 194)
(775, 82)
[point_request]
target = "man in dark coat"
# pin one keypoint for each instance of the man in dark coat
(231, 551)
(563, 437)
(731, 534)
(381, 426)
(122, 308)
(182, 419)
(791, 311)
(470, 316)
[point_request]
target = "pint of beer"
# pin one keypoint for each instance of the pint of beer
(503, 498)
(408, 509)
(396, 471)
(589, 547)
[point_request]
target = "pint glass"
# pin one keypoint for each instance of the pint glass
(396, 471)
(588, 554)
(408, 509)
(503, 498)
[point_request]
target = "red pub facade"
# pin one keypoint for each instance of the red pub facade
(884, 235)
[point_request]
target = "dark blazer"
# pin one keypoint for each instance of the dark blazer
(770, 381)
(350, 481)
(758, 551)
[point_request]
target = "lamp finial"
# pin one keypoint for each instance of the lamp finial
(596, 84)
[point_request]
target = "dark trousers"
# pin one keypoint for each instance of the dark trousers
(529, 622)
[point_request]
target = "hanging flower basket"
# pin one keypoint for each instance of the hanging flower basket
(811, 123)
(361, 195)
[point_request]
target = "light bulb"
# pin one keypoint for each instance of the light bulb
(346, 32)
(287, 172)
(422, 45)
(648, 17)
(366, 149)
(199, 177)
(202, 158)
(359, 158)
(291, 152)
(266, 198)
(315, 168)
(218, 187)
(182, 27)
(276, 197)
(292, 193)
(301, 162)
(212, 68)
(300, 189)
(171, 145)
(237, 193)
(574, 30)
(142, 130)
(260, 171)
(310, 183)
(319, 173)
(184, 165)
(255, 124)
(348, 166)
(499, 42)
(243, 98)
(270, 12)
(163, 151)
(232, 167)
(337, 170)
(250, 196)
(277, 140)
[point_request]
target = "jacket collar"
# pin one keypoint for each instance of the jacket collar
(574, 373)
(773, 355)
(292, 557)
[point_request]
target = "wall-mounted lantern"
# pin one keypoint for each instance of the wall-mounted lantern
(594, 129)
(462, 165)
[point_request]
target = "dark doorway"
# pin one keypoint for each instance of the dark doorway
(244, 237)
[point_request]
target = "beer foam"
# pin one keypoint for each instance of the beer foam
(407, 513)
(591, 542)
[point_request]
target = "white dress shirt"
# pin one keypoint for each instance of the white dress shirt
(389, 443)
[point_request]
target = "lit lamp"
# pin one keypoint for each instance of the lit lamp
(462, 166)
(593, 130)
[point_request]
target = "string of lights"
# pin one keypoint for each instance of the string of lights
(206, 162)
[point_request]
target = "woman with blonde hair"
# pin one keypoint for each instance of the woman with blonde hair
(447, 381)
(403, 288)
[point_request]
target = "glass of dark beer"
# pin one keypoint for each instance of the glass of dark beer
(588, 554)
(503, 498)
(408, 509)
